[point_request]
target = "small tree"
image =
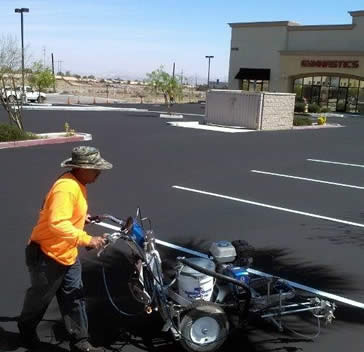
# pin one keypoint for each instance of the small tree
(162, 82)
(10, 59)
(10, 54)
(14, 108)
(42, 77)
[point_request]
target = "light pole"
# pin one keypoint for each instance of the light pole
(21, 11)
(208, 71)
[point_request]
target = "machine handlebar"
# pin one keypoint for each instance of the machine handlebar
(99, 218)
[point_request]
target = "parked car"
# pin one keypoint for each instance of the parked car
(9, 94)
(31, 96)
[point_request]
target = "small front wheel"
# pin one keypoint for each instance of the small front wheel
(204, 327)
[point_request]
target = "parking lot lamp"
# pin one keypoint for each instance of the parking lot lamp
(208, 70)
(21, 11)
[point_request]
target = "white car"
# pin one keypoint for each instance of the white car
(32, 95)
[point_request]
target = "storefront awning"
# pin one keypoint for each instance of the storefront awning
(254, 74)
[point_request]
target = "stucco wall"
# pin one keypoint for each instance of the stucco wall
(327, 40)
(258, 48)
(291, 67)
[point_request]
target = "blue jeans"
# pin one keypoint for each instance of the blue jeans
(48, 279)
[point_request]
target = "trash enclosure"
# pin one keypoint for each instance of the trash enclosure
(252, 110)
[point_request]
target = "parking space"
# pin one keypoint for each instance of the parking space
(304, 230)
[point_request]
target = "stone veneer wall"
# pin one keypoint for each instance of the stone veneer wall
(278, 111)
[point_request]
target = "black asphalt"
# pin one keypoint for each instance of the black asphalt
(149, 157)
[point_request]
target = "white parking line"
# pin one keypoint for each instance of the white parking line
(197, 125)
(269, 206)
(313, 290)
(335, 162)
(306, 179)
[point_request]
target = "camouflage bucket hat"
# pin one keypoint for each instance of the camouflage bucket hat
(85, 157)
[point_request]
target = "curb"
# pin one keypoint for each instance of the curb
(81, 108)
(47, 138)
(171, 116)
(315, 126)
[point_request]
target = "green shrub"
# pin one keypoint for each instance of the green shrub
(325, 109)
(299, 107)
(12, 133)
(300, 100)
(340, 107)
(314, 108)
(302, 121)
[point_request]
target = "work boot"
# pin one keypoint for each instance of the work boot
(85, 346)
(28, 337)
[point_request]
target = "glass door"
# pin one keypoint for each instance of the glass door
(342, 99)
(315, 98)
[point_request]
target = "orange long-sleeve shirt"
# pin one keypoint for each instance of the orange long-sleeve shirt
(59, 230)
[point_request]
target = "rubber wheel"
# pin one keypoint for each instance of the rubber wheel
(204, 327)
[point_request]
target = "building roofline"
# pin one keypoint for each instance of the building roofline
(324, 27)
(356, 13)
(294, 26)
(264, 24)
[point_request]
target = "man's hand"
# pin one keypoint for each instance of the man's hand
(97, 241)
(88, 219)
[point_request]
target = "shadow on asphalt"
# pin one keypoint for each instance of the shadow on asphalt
(10, 341)
(339, 235)
(111, 329)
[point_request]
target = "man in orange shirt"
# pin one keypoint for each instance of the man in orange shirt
(52, 251)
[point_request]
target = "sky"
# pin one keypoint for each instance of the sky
(129, 38)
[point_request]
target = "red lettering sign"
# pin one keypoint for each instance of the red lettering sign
(330, 63)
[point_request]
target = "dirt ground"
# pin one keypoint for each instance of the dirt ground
(131, 93)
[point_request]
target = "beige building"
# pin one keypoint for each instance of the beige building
(322, 64)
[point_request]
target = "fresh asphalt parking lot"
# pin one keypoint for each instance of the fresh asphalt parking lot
(296, 196)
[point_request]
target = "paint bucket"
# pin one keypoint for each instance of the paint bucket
(194, 285)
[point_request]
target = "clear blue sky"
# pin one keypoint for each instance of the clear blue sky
(130, 38)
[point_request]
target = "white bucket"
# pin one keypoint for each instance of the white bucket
(195, 285)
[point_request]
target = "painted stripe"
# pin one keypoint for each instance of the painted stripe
(163, 243)
(197, 125)
(182, 249)
(307, 179)
(183, 113)
(252, 271)
(314, 291)
(270, 206)
(335, 162)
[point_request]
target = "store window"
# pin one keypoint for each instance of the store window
(333, 92)
(254, 85)
(317, 81)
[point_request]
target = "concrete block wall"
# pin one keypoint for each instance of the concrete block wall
(278, 111)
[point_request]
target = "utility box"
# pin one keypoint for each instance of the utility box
(252, 110)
